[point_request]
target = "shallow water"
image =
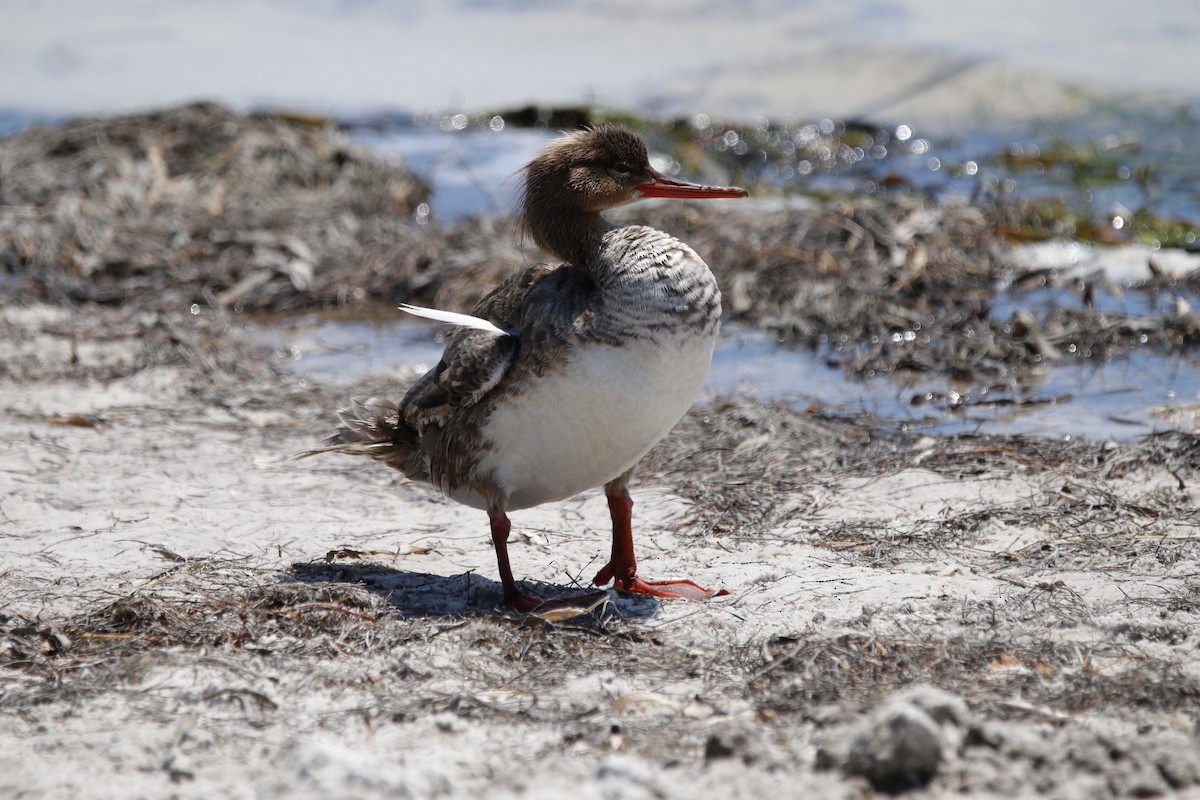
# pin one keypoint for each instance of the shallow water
(1108, 164)
(1114, 400)
(472, 171)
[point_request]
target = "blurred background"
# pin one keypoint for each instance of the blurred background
(936, 62)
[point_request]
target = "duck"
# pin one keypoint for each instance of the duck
(564, 376)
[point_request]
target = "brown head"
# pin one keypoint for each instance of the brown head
(581, 174)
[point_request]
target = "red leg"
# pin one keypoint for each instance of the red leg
(514, 598)
(621, 568)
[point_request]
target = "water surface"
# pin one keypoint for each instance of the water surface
(1113, 400)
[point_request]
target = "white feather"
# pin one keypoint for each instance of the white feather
(453, 318)
(589, 420)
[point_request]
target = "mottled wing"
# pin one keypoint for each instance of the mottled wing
(551, 305)
(538, 307)
(506, 304)
(472, 364)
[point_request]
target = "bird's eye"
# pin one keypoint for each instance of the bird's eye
(622, 169)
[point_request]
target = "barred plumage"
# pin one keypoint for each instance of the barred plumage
(658, 281)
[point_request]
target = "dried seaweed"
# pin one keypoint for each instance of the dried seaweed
(800, 674)
(260, 213)
(194, 205)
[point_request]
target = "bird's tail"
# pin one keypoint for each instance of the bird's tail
(374, 428)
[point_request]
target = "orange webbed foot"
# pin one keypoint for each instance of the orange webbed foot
(681, 588)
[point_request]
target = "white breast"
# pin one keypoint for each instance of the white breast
(582, 426)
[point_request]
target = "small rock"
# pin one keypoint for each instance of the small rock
(897, 750)
(902, 744)
(949, 711)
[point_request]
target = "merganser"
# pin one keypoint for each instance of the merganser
(566, 375)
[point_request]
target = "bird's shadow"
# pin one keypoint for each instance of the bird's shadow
(421, 594)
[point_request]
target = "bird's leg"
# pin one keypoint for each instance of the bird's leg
(514, 598)
(501, 528)
(621, 568)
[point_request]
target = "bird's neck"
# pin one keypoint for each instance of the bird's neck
(572, 235)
